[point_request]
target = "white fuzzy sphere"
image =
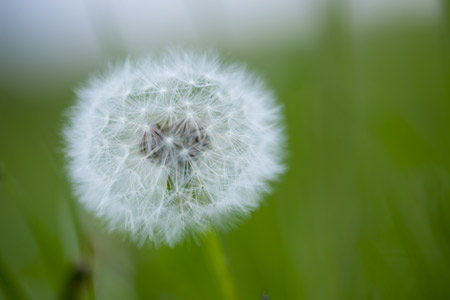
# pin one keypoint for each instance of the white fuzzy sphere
(167, 146)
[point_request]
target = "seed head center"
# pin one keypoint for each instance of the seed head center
(174, 142)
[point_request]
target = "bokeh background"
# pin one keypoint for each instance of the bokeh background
(364, 209)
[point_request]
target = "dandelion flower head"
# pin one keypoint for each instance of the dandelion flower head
(167, 146)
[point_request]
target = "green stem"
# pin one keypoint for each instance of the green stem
(216, 258)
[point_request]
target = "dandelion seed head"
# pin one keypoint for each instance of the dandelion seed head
(162, 147)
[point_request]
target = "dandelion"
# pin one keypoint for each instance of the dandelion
(169, 146)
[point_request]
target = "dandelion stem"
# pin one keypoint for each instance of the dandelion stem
(216, 258)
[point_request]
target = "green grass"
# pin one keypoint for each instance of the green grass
(362, 213)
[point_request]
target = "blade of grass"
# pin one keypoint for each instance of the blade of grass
(9, 284)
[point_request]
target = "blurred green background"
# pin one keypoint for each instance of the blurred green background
(362, 213)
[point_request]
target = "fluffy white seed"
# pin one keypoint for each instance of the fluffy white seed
(162, 147)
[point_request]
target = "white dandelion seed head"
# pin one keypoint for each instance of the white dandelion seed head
(168, 146)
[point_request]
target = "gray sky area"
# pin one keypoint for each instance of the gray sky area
(55, 35)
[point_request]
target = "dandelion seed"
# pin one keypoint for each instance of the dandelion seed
(189, 166)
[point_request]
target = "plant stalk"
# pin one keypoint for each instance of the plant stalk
(217, 261)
